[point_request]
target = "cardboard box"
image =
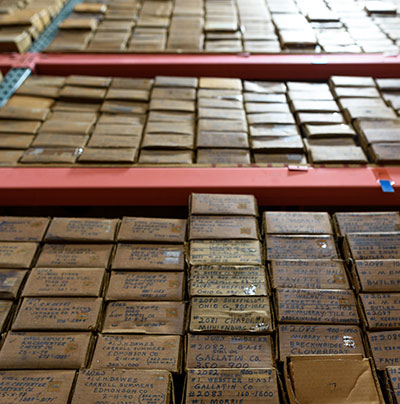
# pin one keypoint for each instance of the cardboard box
(6, 308)
(81, 230)
(245, 386)
(66, 126)
(231, 315)
(392, 381)
(77, 282)
(119, 385)
(223, 156)
(265, 87)
(376, 275)
(368, 246)
(146, 286)
(34, 350)
(107, 155)
(229, 351)
(219, 204)
(152, 230)
(166, 157)
(337, 154)
(15, 42)
(145, 318)
(58, 313)
(10, 282)
(366, 222)
(384, 348)
(162, 257)
(297, 223)
(52, 386)
(228, 280)
(220, 83)
(223, 227)
(75, 255)
(51, 155)
(233, 252)
(310, 339)
(332, 379)
(380, 311)
(58, 139)
(138, 352)
(308, 274)
(385, 153)
(316, 306)
(172, 81)
(228, 140)
(326, 131)
(17, 254)
(300, 247)
(34, 114)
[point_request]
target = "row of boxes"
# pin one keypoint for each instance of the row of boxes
(230, 26)
(101, 120)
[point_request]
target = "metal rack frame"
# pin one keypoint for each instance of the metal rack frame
(171, 186)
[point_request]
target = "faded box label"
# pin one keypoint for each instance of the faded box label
(138, 352)
(316, 306)
(231, 314)
(382, 310)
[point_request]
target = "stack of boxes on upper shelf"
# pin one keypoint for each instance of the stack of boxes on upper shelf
(21, 22)
(107, 297)
(188, 120)
(231, 319)
(230, 26)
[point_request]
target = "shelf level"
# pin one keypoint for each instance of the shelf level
(172, 186)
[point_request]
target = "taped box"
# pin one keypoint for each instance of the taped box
(82, 282)
(123, 385)
(223, 227)
(138, 352)
(75, 255)
(384, 348)
(22, 228)
(149, 257)
(380, 311)
(52, 386)
(308, 274)
(229, 351)
(331, 380)
(152, 230)
(17, 254)
(300, 247)
(297, 223)
(58, 313)
(81, 230)
(376, 275)
(10, 282)
(311, 339)
(324, 306)
(146, 286)
(228, 280)
(372, 246)
(244, 386)
(392, 381)
(145, 318)
(233, 252)
(38, 350)
(231, 315)
(219, 204)
(365, 222)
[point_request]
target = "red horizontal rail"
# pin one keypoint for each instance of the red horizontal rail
(172, 186)
(278, 66)
(270, 66)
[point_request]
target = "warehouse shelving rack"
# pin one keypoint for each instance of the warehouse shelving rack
(291, 186)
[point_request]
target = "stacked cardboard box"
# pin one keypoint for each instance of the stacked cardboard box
(316, 309)
(169, 136)
(363, 107)
(186, 120)
(145, 312)
(222, 125)
(375, 277)
(22, 22)
(231, 318)
(230, 26)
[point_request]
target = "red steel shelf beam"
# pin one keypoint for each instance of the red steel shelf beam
(172, 186)
(266, 66)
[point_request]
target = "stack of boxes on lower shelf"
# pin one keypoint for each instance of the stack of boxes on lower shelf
(94, 309)
(231, 320)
